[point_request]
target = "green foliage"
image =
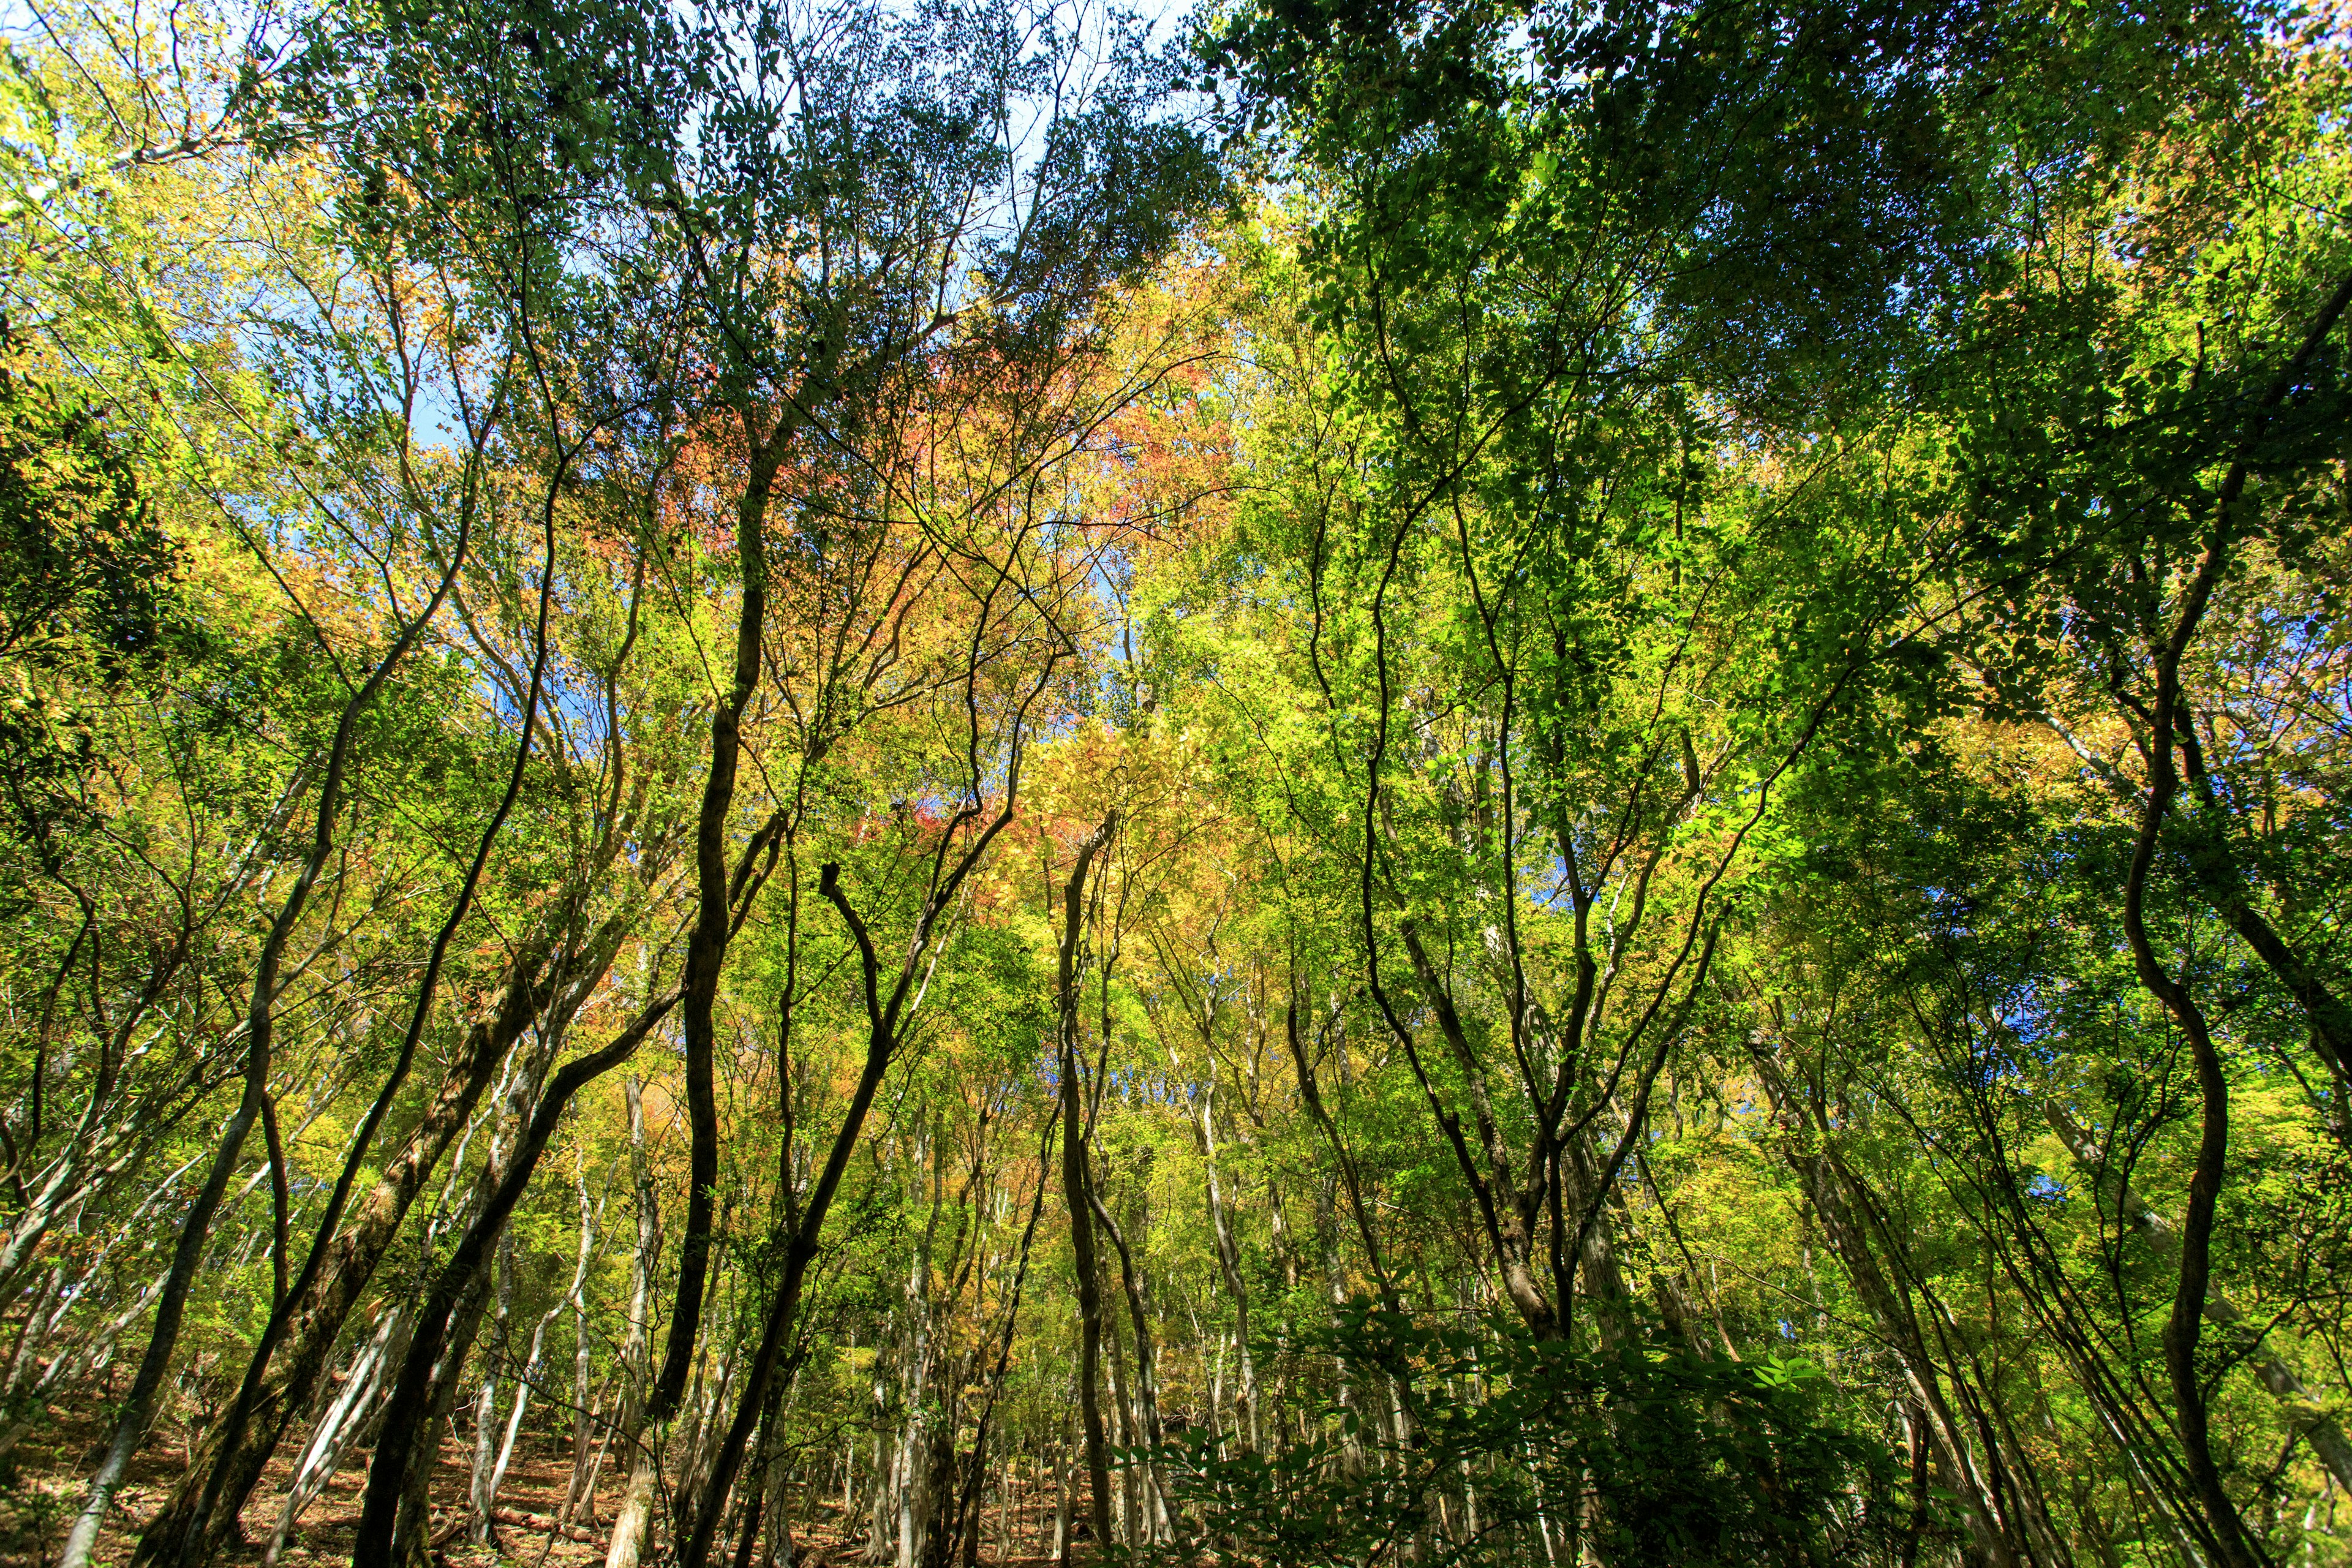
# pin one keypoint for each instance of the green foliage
(85, 594)
(1646, 1453)
(1615, 617)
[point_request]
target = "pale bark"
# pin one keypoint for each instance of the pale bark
(1146, 1403)
(339, 1428)
(635, 1510)
(530, 1369)
(391, 1517)
(582, 1482)
(480, 1482)
(1997, 1535)
(1201, 1101)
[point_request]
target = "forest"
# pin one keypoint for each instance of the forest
(1313, 784)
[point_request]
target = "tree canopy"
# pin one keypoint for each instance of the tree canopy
(1439, 781)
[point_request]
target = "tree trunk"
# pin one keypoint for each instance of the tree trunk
(1996, 1535)
(1078, 1194)
(1147, 1390)
(317, 1317)
(453, 1310)
(481, 1483)
(1229, 1254)
(636, 1501)
(705, 949)
(580, 1486)
(2304, 1413)
(340, 1426)
(523, 1376)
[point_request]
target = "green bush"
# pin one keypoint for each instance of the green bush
(1647, 1454)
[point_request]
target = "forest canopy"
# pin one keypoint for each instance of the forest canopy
(1326, 783)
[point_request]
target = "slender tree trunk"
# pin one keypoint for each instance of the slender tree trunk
(1076, 1194)
(1128, 1513)
(914, 1391)
(339, 1427)
(316, 1316)
(2303, 1412)
(1335, 1278)
(481, 1484)
(2164, 722)
(523, 1376)
(1147, 1390)
(452, 1311)
(776, 1551)
(1062, 1475)
(2230, 1541)
(583, 1420)
(1201, 1098)
(1995, 1533)
(196, 1228)
(881, 1504)
(636, 1501)
(138, 1409)
(1229, 1253)
(967, 1497)
(705, 949)
(886, 1012)
(408, 1542)
(193, 1523)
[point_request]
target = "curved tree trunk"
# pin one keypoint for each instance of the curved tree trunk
(1078, 1194)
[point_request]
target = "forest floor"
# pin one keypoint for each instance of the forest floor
(46, 1487)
